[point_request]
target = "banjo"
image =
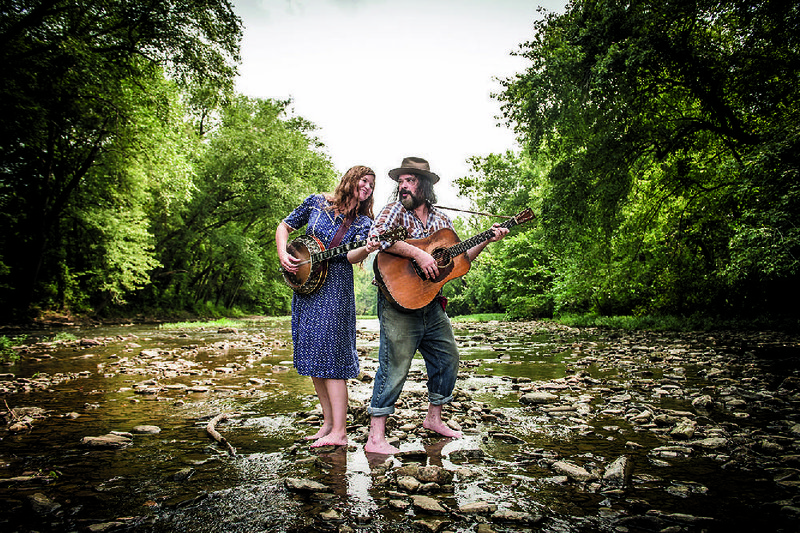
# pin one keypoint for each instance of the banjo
(313, 268)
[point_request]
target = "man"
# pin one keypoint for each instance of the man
(428, 329)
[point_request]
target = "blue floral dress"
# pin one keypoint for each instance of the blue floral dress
(324, 322)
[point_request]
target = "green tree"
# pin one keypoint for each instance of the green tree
(76, 80)
(670, 133)
(258, 165)
(511, 275)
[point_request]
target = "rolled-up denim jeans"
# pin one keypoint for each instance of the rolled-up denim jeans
(402, 334)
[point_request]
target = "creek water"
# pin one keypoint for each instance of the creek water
(180, 480)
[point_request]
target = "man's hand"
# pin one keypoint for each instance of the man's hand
(426, 263)
(499, 232)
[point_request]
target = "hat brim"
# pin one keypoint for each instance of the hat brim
(397, 172)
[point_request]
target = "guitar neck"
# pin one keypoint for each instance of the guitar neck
(463, 246)
(327, 254)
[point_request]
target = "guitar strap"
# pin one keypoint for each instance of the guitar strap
(342, 230)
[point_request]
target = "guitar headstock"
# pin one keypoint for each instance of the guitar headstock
(395, 234)
(524, 215)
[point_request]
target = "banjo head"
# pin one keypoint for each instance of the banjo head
(303, 247)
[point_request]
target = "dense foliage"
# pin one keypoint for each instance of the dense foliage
(128, 171)
(661, 144)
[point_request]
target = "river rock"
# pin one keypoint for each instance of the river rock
(711, 443)
(478, 508)
(305, 485)
(408, 483)
(434, 474)
(105, 526)
(518, 517)
(684, 429)
(41, 504)
(106, 441)
(427, 504)
(618, 473)
(183, 474)
(330, 515)
(572, 471)
(704, 402)
(431, 525)
(536, 398)
(146, 430)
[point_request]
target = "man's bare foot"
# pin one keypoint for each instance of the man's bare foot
(323, 431)
(331, 439)
(441, 428)
(381, 446)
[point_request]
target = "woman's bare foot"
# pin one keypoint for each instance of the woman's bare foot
(323, 431)
(331, 439)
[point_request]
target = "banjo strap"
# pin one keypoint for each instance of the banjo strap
(342, 230)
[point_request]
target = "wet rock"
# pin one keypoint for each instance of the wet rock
(506, 437)
(478, 508)
(431, 525)
(711, 443)
(426, 504)
(517, 517)
(434, 474)
(91, 342)
(684, 429)
(618, 473)
(408, 483)
(331, 515)
(183, 474)
(43, 505)
(704, 402)
(400, 505)
(671, 451)
(682, 518)
(146, 430)
(105, 526)
(106, 441)
(467, 455)
(537, 398)
(305, 485)
(572, 471)
(686, 489)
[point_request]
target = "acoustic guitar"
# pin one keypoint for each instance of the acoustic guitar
(403, 281)
(313, 269)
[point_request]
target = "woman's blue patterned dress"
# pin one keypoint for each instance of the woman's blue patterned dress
(324, 322)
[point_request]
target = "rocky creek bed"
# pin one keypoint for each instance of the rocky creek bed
(565, 430)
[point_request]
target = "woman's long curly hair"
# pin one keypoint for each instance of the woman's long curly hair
(347, 189)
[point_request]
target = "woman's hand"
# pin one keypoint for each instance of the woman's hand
(288, 262)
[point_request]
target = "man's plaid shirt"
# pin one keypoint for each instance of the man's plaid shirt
(394, 215)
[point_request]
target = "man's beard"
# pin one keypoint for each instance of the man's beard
(410, 201)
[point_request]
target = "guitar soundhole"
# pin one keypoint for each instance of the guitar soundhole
(442, 256)
(443, 261)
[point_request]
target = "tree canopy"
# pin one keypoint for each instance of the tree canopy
(659, 150)
(86, 88)
(669, 135)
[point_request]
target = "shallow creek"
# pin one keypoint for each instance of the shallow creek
(706, 426)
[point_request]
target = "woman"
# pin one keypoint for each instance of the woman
(324, 322)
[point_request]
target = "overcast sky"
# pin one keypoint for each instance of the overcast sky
(385, 79)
